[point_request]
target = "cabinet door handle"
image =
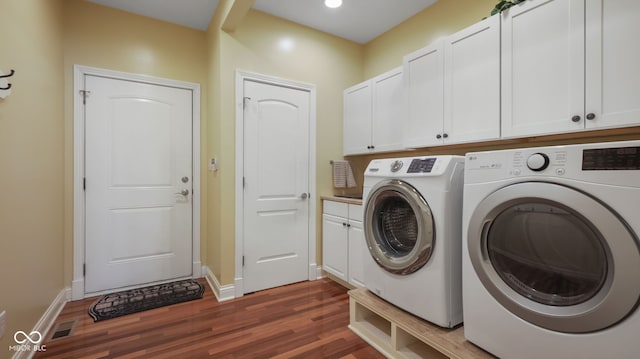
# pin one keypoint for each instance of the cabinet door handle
(438, 136)
(575, 118)
(344, 224)
(591, 116)
(348, 225)
(445, 135)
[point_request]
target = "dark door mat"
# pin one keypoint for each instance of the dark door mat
(137, 300)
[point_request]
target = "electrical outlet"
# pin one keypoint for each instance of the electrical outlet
(3, 321)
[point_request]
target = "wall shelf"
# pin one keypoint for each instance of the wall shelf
(398, 334)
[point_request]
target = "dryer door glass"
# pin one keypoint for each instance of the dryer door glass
(399, 228)
(547, 253)
(555, 257)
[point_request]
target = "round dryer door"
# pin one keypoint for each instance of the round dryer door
(399, 228)
(555, 257)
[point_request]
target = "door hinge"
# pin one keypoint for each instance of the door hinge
(244, 102)
(84, 269)
(84, 94)
(84, 183)
(243, 261)
(244, 183)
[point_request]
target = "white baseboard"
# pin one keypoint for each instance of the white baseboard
(46, 321)
(222, 292)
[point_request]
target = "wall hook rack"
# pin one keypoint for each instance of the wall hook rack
(5, 76)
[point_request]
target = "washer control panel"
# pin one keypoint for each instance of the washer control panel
(421, 165)
(428, 166)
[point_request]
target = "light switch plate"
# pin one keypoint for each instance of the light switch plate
(213, 164)
(3, 321)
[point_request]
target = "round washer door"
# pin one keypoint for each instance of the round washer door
(399, 228)
(555, 257)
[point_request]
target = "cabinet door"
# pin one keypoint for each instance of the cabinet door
(388, 111)
(613, 63)
(357, 252)
(424, 84)
(472, 83)
(542, 67)
(335, 246)
(357, 119)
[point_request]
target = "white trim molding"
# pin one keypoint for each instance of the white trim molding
(241, 76)
(222, 292)
(77, 284)
(45, 322)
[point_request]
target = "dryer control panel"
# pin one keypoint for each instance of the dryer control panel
(593, 162)
(611, 159)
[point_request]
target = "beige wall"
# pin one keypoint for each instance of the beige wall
(31, 163)
(443, 18)
(328, 62)
(103, 37)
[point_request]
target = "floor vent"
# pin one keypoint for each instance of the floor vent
(63, 330)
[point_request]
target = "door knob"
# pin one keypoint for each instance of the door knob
(184, 192)
(304, 196)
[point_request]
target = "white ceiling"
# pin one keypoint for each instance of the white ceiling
(357, 20)
(191, 13)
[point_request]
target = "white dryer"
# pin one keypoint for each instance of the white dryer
(412, 224)
(551, 258)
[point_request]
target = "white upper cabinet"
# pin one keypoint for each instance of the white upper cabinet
(542, 67)
(388, 111)
(472, 83)
(612, 63)
(570, 65)
(424, 84)
(357, 118)
(453, 88)
(374, 115)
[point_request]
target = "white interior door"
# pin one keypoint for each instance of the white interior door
(276, 185)
(138, 169)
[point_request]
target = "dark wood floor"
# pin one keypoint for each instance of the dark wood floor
(303, 320)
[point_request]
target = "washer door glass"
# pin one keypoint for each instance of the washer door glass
(398, 227)
(555, 257)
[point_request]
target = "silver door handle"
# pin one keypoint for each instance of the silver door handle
(184, 192)
(304, 196)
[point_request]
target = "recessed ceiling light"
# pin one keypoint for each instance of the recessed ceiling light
(333, 3)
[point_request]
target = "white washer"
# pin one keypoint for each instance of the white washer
(551, 258)
(412, 223)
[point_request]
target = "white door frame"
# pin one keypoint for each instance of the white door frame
(241, 76)
(79, 72)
